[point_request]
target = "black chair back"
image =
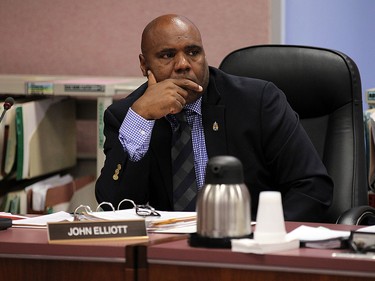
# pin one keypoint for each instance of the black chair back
(324, 87)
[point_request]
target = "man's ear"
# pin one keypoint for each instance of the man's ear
(143, 65)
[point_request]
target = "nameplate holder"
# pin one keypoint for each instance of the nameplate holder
(96, 230)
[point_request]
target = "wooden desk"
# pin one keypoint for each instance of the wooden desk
(176, 260)
(26, 255)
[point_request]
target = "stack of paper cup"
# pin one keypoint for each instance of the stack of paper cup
(270, 225)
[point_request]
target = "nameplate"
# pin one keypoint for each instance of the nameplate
(94, 230)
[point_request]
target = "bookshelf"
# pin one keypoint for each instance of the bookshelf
(91, 94)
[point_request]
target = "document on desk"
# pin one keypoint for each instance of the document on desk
(247, 245)
(304, 236)
(174, 222)
(11, 216)
(167, 222)
(370, 229)
(308, 233)
(320, 237)
(41, 221)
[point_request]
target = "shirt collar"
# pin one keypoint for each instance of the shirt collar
(195, 106)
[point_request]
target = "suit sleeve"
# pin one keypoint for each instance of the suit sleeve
(111, 185)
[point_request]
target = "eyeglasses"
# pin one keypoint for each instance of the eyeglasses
(141, 210)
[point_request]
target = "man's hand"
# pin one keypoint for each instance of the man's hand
(165, 97)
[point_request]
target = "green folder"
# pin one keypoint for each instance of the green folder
(19, 129)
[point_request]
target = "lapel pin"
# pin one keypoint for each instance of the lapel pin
(215, 126)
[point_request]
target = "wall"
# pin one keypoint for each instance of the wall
(344, 25)
(97, 37)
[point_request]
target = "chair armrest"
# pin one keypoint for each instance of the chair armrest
(361, 215)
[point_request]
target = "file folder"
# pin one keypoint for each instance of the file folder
(46, 137)
(8, 143)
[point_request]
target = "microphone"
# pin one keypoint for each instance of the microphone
(8, 103)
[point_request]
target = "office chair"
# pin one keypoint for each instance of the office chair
(360, 215)
(324, 87)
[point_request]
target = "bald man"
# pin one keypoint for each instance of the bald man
(228, 115)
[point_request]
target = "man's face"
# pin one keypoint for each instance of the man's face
(175, 50)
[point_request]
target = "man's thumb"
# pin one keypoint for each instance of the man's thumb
(151, 78)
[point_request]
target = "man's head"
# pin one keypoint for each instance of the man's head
(172, 48)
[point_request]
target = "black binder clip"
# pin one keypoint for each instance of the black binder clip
(5, 223)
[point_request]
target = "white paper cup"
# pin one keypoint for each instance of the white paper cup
(270, 225)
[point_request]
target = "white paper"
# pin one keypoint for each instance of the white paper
(368, 229)
(247, 245)
(11, 216)
(131, 214)
(180, 227)
(39, 190)
(302, 233)
(308, 233)
(41, 221)
(188, 226)
(170, 222)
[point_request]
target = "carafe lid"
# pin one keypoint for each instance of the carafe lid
(224, 170)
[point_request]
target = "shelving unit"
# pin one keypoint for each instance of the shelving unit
(102, 90)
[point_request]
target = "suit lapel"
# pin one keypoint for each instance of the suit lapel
(214, 130)
(213, 114)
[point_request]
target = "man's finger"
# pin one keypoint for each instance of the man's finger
(151, 78)
(189, 85)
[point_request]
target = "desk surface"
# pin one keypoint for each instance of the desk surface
(170, 256)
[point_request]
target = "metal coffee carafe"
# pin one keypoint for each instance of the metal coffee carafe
(223, 204)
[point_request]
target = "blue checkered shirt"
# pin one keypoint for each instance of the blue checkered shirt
(135, 135)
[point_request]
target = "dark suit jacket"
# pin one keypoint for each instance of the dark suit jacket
(256, 125)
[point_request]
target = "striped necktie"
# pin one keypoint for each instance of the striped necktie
(184, 181)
